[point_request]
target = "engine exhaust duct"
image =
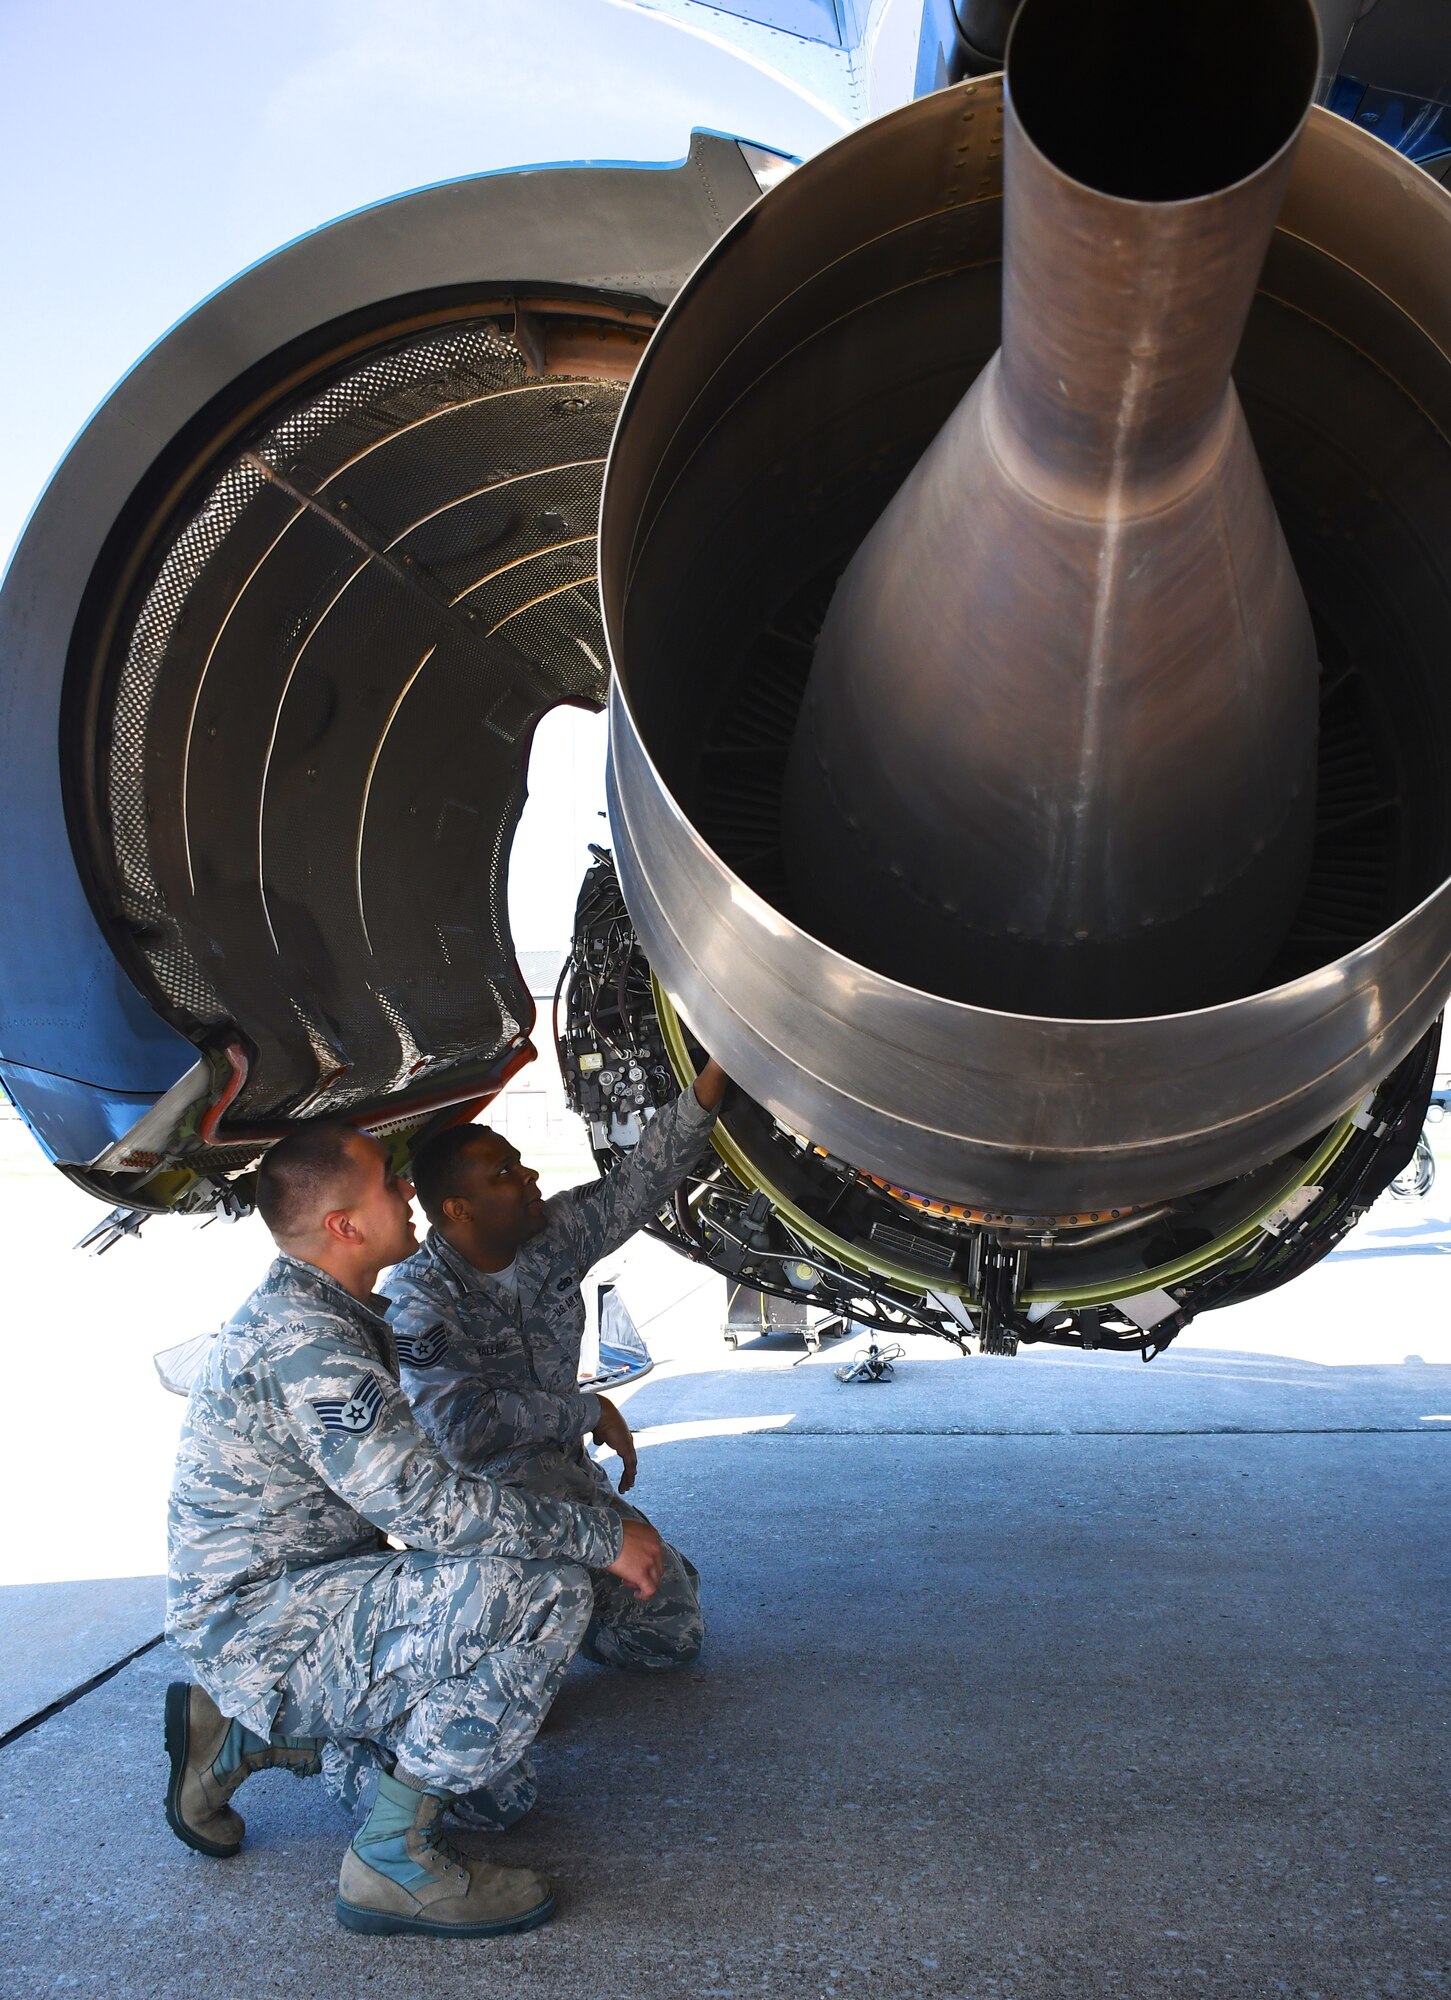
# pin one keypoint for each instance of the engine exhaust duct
(1062, 712)
(788, 395)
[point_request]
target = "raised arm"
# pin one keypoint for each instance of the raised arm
(597, 1219)
(710, 1086)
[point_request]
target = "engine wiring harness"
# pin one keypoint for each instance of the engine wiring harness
(777, 1212)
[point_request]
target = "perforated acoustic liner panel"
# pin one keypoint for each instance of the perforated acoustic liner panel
(311, 757)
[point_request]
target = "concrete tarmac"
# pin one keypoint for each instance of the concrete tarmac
(1059, 1676)
(1062, 1677)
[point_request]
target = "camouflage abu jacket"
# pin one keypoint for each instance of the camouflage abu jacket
(493, 1373)
(299, 1452)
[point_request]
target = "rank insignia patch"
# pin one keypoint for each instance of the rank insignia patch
(356, 1415)
(420, 1350)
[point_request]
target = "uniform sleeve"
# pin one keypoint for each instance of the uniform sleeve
(352, 1423)
(470, 1417)
(592, 1221)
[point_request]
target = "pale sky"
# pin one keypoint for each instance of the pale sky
(150, 149)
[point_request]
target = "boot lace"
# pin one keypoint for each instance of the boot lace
(272, 1757)
(437, 1842)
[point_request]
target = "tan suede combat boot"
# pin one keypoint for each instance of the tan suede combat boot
(210, 1757)
(400, 1874)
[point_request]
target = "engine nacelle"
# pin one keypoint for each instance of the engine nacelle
(790, 391)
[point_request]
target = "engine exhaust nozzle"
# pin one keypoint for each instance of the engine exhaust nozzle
(801, 376)
(1062, 713)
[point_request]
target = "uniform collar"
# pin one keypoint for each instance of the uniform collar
(287, 1269)
(470, 1276)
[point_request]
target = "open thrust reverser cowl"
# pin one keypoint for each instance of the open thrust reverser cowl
(1098, 851)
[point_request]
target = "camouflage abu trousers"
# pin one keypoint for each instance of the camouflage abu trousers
(447, 1664)
(667, 1630)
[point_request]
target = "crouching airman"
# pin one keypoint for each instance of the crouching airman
(300, 1455)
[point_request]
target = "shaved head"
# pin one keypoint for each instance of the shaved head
(313, 1170)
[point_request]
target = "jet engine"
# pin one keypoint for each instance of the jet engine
(1024, 557)
(1025, 566)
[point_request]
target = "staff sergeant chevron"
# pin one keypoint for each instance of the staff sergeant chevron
(356, 1414)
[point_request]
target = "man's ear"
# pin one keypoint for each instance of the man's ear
(338, 1224)
(456, 1208)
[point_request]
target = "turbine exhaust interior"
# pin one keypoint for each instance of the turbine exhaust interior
(1057, 749)
(796, 387)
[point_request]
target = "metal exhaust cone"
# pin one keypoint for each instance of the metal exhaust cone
(1062, 713)
(795, 383)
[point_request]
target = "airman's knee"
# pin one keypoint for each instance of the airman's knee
(575, 1599)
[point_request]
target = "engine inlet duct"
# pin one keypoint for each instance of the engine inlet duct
(1127, 871)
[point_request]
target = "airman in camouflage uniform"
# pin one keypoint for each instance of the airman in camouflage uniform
(299, 1454)
(490, 1360)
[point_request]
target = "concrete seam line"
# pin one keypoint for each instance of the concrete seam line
(75, 1693)
(784, 1436)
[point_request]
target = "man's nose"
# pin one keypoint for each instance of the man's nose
(407, 1187)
